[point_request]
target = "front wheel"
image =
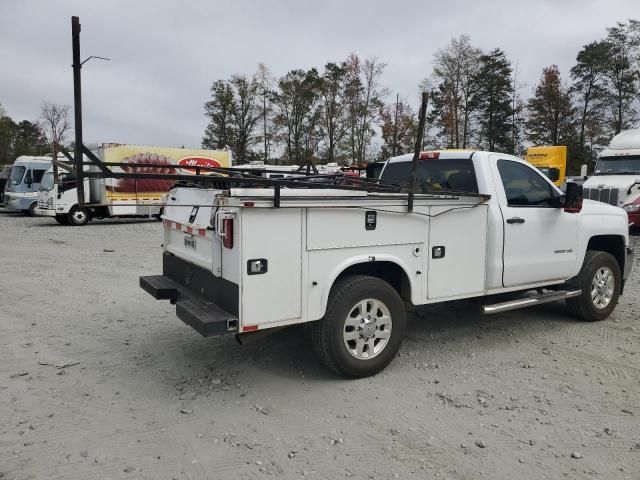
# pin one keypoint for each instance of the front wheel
(32, 209)
(62, 219)
(362, 329)
(600, 281)
(78, 216)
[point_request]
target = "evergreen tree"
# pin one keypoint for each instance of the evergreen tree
(550, 111)
(622, 73)
(493, 99)
(589, 86)
(28, 139)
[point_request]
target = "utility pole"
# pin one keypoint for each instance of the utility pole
(77, 108)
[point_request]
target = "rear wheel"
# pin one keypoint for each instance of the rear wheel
(78, 216)
(600, 281)
(362, 329)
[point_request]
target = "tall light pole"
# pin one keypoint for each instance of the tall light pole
(77, 106)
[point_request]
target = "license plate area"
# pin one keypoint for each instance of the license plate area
(190, 241)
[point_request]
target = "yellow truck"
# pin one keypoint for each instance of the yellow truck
(550, 160)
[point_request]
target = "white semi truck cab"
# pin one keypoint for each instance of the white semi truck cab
(348, 262)
(616, 177)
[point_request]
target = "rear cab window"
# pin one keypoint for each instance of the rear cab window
(442, 173)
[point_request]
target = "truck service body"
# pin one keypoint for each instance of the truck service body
(616, 177)
(108, 197)
(348, 261)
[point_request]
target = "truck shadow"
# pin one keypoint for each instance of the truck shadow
(101, 223)
(287, 355)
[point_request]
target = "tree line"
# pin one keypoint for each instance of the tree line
(344, 113)
(33, 138)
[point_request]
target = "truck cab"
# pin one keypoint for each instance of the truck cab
(616, 176)
(550, 160)
(21, 189)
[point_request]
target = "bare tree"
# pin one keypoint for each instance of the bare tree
(54, 122)
(364, 97)
(265, 92)
(454, 69)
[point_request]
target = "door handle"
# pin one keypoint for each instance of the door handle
(515, 220)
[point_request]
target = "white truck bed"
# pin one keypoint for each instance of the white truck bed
(315, 234)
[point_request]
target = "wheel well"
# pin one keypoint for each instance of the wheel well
(390, 272)
(613, 244)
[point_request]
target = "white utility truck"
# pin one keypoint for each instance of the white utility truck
(616, 177)
(247, 260)
(108, 197)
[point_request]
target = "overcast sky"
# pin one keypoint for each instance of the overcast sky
(165, 54)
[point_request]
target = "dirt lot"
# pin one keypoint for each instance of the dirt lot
(98, 380)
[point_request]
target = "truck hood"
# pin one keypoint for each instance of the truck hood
(593, 207)
(611, 181)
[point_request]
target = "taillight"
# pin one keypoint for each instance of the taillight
(227, 232)
(429, 155)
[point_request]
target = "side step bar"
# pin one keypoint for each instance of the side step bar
(530, 301)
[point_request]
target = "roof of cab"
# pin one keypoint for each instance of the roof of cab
(25, 159)
(444, 154)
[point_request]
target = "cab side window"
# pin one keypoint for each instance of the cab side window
(37, 175)
(523, 186)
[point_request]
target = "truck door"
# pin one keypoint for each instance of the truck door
(540, 238)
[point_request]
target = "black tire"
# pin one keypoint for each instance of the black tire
(327, 334)
(584, 306)
(78, 216)
(32, 209)
(62, 219)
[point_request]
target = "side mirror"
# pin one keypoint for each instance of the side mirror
(583, 171)
(554, 174)
(573, 198)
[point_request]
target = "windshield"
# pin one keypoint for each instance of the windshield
(16, 175)
(452, 173)
(47, 182)
(623, 165)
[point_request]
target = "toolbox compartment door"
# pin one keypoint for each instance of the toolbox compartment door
(457, 252)
(273, 236)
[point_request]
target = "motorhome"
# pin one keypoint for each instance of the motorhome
(21, 188)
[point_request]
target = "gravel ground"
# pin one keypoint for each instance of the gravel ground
(98, 380)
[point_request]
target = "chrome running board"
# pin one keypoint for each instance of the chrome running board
(530, 301)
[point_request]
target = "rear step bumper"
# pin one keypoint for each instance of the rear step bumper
(530, 301)
(204, 316)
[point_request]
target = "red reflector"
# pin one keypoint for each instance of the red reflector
(227, 228)
(250, 328)
(248, 204)
(429, 155)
